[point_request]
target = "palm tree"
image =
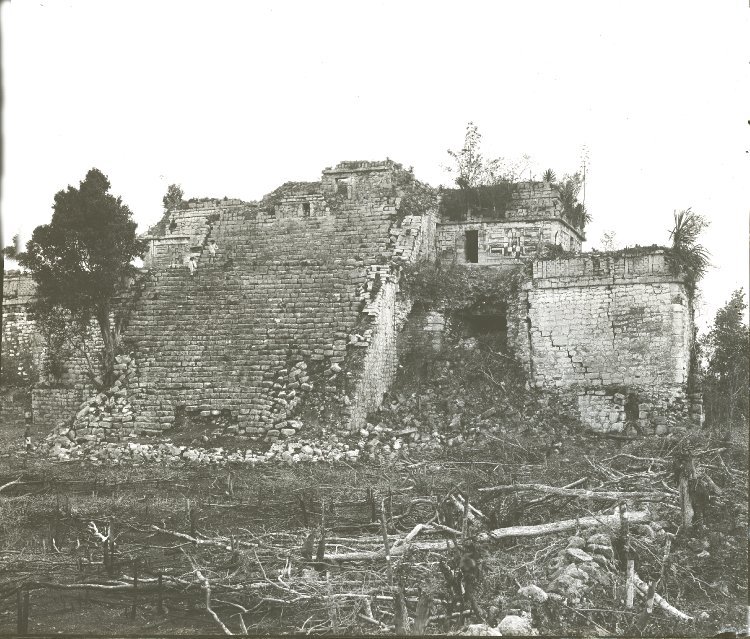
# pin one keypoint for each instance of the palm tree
(688, 257)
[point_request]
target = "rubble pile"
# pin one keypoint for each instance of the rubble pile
(106, 415)
(583, 564)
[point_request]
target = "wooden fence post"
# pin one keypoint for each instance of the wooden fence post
(159, 596)
(629, 584)
(111, 547)
(135, 590)
(22, 611)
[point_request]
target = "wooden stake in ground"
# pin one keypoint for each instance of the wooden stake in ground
(22, 612)
(465, 525)
(135, 590)
(686, 474)
(650, 597)
(111, 548)
(160, 597)
(629, 584)
(400, 613)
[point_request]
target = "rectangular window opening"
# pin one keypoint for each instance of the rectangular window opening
(472, 247)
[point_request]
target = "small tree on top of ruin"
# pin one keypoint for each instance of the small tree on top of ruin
(472, 169)
(173, 198)
(81, 259)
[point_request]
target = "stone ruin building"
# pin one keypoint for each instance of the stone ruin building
(300, 311)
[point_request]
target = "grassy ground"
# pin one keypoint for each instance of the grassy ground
(707, 570)
(255, 527)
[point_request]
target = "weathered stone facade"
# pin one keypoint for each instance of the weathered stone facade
(534, 219)
(301, 304)
(52, 405)
(617, 330)
(303, 277)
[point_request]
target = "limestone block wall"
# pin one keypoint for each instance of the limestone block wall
(22, 348)
(416, 238)
(13, 404)
(286, 287)
(503, 242)
(535, 199)
(50, 406)
(381, 358)
(606, 326)
(423, 329)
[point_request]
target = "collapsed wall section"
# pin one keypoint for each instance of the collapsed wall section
(284, 292)
(616, 331)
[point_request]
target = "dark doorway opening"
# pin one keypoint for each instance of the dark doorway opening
(477, 325)
(489, 326)
(471, 247)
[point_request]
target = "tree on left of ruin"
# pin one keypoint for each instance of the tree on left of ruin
(80, 260)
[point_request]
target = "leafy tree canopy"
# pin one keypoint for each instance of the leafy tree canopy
(727, 363)
(82, 257)
(473, 169)
(173, 197)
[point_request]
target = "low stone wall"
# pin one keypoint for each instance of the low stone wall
(612, 411)
(53, 405)
(13, 404)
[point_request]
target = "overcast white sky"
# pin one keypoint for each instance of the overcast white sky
(235, 98)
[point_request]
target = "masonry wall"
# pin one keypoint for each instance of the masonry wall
(50, 406)
(612, 329)
(287, 286)
(504, 242)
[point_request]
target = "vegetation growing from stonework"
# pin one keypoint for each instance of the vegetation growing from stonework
(726, 370)
(418, 198)
(568, 190)
(81, 259)
(686, 255)
(18, 370)
(485, 185)
(458, 286)
(491, 200)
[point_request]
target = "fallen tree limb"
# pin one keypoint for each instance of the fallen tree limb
(10, 483)
(460, 503)
(540, 500)
(576, 492)
(642, 587)
(503, 533)
(207, 589)
(218, 542)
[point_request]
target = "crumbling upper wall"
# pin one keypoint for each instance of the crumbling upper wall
(503, 224)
